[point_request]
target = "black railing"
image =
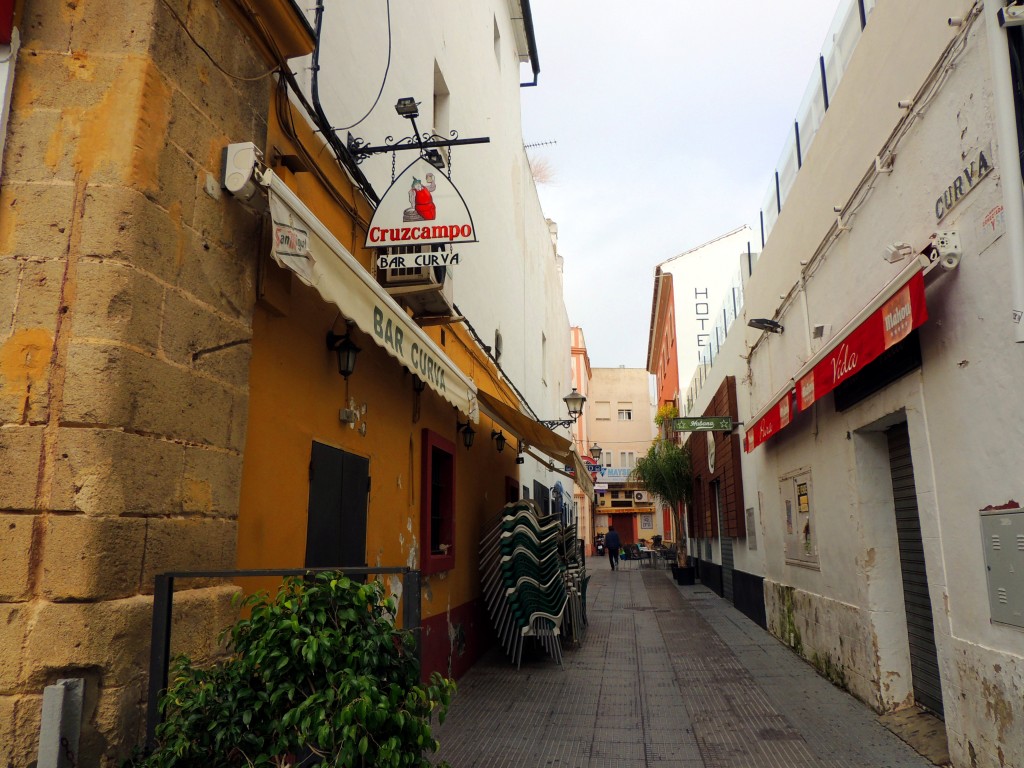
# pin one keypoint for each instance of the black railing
(163, 605)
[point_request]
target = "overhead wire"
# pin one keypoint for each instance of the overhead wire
(201, 47)
(387, 69)
(933, 82)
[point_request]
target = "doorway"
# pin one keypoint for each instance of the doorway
(339, 487)
(924, 659)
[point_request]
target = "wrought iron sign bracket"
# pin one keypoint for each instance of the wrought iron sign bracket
(360, 150)
(566, 423)
(426, 143)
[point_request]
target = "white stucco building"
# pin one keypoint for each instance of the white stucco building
(880, 477)
(706, 279)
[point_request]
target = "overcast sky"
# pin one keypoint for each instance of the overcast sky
(669, 118)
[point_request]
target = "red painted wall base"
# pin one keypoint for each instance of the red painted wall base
(453, 642)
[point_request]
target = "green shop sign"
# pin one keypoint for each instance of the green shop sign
(703, 424)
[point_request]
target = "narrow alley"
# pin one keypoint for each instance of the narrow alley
(668, 676)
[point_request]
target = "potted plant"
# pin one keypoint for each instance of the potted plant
(317, 673)
(665, 471)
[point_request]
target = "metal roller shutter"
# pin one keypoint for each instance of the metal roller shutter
(924, 660)
(727, 568)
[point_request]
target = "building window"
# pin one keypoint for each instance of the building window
(442, 103)
(625, 414)
(602, 410)
(437, 506)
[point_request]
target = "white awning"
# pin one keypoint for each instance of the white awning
(305, 246)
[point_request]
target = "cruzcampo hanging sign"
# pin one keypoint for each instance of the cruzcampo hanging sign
(421, 207)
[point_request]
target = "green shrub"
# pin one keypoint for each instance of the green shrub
(319, 669)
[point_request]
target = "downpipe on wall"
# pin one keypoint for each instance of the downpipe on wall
(1006, 135)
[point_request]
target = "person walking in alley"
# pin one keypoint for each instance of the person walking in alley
(612, 545)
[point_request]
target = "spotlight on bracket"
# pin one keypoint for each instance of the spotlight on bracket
(898, 252)
(764, 324)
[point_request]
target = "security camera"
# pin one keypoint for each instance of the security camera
(1011, 16)
(948, 248)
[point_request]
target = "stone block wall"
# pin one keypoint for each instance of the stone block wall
(127, 283)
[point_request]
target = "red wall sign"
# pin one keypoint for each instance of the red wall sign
(778, 417)
(889, 324)
(892, 322)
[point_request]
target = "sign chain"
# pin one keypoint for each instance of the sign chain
(69, 756)
(393, 167)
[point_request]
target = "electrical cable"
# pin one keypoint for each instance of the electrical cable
(340, 150)
(201, 47)
(291, 86)
(483, 347)
(932, 84)
(387, 68)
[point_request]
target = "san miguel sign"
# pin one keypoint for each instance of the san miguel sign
(421, 207)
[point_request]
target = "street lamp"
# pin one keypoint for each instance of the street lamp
(574, 402)
(595, 452)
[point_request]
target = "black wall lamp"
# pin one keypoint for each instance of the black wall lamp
(499, 439)
(468, 433)
(347, 351)
(595, 452)
(574, 402)
(764, 324)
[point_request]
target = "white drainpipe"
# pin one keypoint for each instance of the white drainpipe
(1006, 135)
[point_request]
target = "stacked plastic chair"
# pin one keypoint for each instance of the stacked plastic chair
(576, 579)
(531, 587)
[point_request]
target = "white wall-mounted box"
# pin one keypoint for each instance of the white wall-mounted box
(1002, 534)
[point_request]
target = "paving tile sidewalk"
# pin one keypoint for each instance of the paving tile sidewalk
(667, 677)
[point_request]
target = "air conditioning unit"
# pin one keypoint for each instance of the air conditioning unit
(404, 279)
(643, 496)
(427, 291)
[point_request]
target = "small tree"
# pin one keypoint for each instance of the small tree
(320, 670)
(665, 471)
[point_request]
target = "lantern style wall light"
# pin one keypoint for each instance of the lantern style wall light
(595, 452)
(468, 433)
(499, 439)
(346, 350)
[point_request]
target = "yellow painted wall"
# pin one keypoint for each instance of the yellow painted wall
(295, 393)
